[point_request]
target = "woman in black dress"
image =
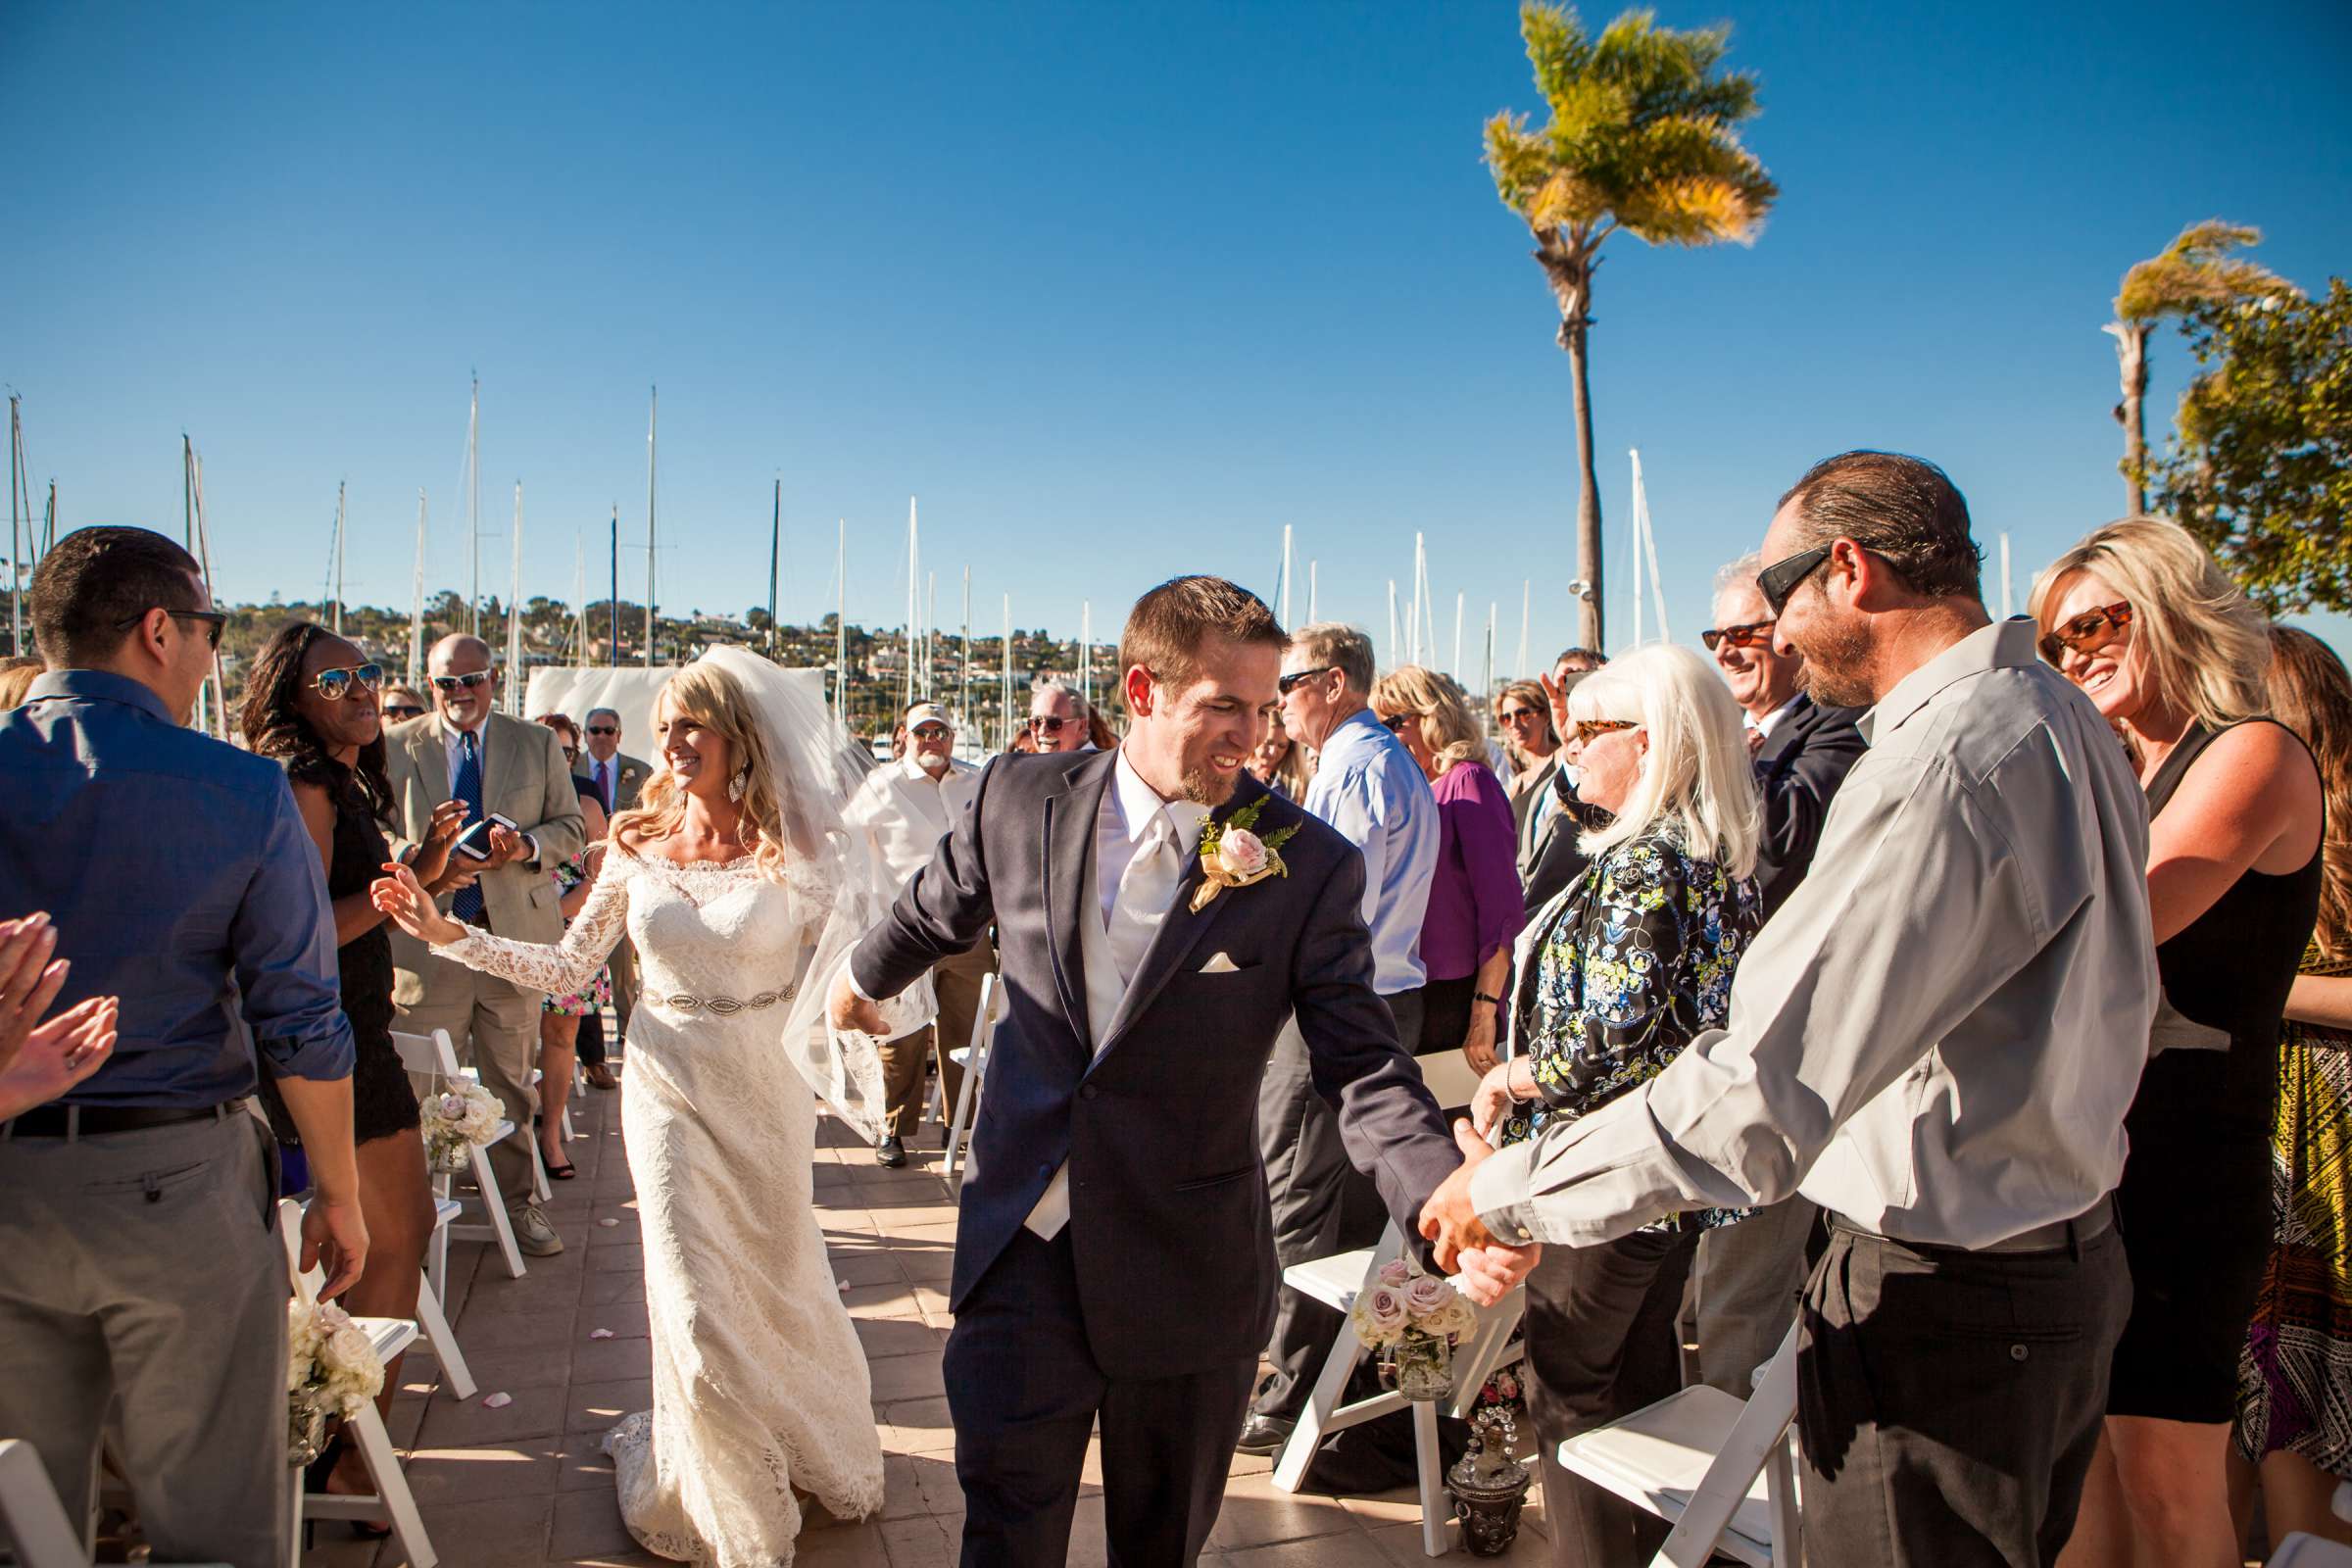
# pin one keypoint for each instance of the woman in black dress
(311, 703)
(2172, 654)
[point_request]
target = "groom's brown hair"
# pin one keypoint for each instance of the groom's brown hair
(1167, 626)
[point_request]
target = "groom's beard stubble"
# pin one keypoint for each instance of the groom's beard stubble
(1204, 788)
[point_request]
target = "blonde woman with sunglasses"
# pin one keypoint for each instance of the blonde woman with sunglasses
(2173, 655)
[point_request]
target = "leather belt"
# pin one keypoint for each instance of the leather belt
(2058, 1235)
(95, 1121)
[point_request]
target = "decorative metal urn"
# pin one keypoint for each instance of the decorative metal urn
(1488, 1485)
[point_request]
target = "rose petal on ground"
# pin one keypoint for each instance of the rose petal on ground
(497, 1402)
(600, 1334)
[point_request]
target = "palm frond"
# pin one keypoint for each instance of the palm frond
(2198, 269)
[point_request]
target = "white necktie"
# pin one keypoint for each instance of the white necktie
(1146, 889)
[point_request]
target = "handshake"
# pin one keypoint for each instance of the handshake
(1483, 1268)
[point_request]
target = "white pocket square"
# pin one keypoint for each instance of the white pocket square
(1220, 964)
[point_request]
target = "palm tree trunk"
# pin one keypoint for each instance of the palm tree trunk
(2131, 359)
(1571, 282)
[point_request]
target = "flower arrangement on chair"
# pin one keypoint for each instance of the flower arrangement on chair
(1413, 1320)
(331, 1369)
(457, 1120)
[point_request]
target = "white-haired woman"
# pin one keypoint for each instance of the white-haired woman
(2173, 655)
(723, 874)
(1615, 977)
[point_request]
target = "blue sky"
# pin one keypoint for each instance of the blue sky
(1117, 290)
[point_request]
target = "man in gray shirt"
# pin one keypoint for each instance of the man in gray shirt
(1935, 1040)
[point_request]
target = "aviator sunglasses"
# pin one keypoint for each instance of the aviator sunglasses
(336, 684)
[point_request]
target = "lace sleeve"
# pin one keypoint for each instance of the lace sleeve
(565, 966)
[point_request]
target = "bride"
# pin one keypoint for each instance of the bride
(742, 893)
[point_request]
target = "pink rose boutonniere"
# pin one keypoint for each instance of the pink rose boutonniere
(1234, 856)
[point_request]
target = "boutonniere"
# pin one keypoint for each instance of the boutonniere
(628, 774)
(1232, 856)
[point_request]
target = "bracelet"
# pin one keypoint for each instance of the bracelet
(1481, 995)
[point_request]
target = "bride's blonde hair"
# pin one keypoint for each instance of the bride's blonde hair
(712, 698)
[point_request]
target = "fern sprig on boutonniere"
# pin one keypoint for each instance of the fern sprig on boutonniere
(1234, 856)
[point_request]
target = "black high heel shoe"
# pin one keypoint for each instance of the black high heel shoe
(313, 1479)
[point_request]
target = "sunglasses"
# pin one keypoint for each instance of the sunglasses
(1300, 677)
(215, 622)
(1748, 636)
(930, 732)
(1395, 722)
(2089, 631)
(1779, 580)
(603, 730)
(336, 684)
(449, 684)
(400, 710)
(1587, 729)
(1049, 724)
(1519, 715)
(572, 753)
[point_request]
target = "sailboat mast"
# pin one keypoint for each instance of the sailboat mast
(514, 671)
(1086, 654)
(214, 715)
(841, 622)
(1412, 631)
(1004, 681)
(340, 536)
(579, 598)
(776, 540)
(474, 504)
(963, 666)
(16, 526)
(930, 627)
(653, 424)
(1285, 614)
(1456, 668)
(914, 556)
(612, 620)
(417, 605)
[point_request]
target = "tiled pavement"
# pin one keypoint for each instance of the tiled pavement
(527, 1485)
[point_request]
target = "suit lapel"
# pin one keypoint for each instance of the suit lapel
(1784, 733)
(430, 757)
(1067, 834)
(1181, 931)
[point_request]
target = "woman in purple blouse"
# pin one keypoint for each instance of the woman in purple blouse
(1474, 902)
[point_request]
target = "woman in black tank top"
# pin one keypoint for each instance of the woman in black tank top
(2172, 654)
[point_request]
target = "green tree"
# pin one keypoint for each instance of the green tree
(2196, 270)
(2260, 467)
(1643, 138)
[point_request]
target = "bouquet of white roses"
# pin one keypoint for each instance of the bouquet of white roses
(457, 1120)
(1403, 1301)
(331, 1369)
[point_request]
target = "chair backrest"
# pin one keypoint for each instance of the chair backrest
(35, 1521)
(426, 1055)
(289, 1229)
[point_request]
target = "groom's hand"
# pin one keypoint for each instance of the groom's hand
(1486, 1269)
(850, 1010)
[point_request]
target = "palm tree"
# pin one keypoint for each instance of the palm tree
(1643, 138)
(2195, 270)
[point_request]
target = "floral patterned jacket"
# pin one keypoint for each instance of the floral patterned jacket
(1625, 967)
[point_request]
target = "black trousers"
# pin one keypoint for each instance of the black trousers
(1322, 1204)
(1949, 1402)
(590, 1042)
(1025, 1392)
(1601, 1343)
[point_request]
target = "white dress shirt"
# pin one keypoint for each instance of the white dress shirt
(904, 812)
(1771, 722)
(1938, 1034)
(1368, 786)
(1130, 806)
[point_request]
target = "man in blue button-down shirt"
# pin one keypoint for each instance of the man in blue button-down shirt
(140, 1259)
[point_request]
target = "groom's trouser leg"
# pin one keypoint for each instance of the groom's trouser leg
(1322, 1206)
(1167, 1446)
(1023, 1389)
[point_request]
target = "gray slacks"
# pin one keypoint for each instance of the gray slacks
(144, 1270)
(1747, 1279)
(1322, 1204)
(1949, 1402)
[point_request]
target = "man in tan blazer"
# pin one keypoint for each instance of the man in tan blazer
(515, 770)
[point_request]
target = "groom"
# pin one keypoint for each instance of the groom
(1115, 1260)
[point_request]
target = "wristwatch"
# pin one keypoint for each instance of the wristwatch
(1481, 995)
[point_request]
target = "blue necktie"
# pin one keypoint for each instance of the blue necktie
(467, 787)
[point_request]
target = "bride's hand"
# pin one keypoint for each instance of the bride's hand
(401, 899)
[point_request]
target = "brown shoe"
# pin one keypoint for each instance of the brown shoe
(599, 1076)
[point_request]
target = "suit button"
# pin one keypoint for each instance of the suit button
(1044, 1173)
(1090, 1092)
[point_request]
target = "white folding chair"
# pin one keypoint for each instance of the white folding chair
(1336, 1282)
(973, 1060)
(432, 1058)
(2299, 1550)
(390, 1336)
(1719, 1467)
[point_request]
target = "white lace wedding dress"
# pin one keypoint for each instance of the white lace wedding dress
(760, 1385)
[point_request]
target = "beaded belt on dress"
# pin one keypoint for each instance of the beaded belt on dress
(728, 1007)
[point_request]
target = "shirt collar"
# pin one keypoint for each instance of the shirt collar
(100, 685)
(2003, 645)
(912, 770)
(1771, 722)
(1138, 803)
(452, 737)
(1359, 728)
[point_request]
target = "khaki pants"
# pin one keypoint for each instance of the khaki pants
(957, 981)
(495, 1026)
(146, 1267)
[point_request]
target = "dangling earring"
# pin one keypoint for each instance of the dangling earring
(735, 785)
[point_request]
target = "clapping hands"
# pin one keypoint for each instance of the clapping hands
(403, 901)
(1484, 1268)
(39, 1061)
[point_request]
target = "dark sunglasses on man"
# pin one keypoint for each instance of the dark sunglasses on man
(1300, 677)
(472, 678)
(1751, 635)
(215, 622)
(1047, 723)
(603, 730)
(2089, 632)
(930, 732)
(336, 684)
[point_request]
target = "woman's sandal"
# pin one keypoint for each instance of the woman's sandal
(314, 1478)
(561, 1173)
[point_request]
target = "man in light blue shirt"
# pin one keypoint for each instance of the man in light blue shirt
(1368, 786)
